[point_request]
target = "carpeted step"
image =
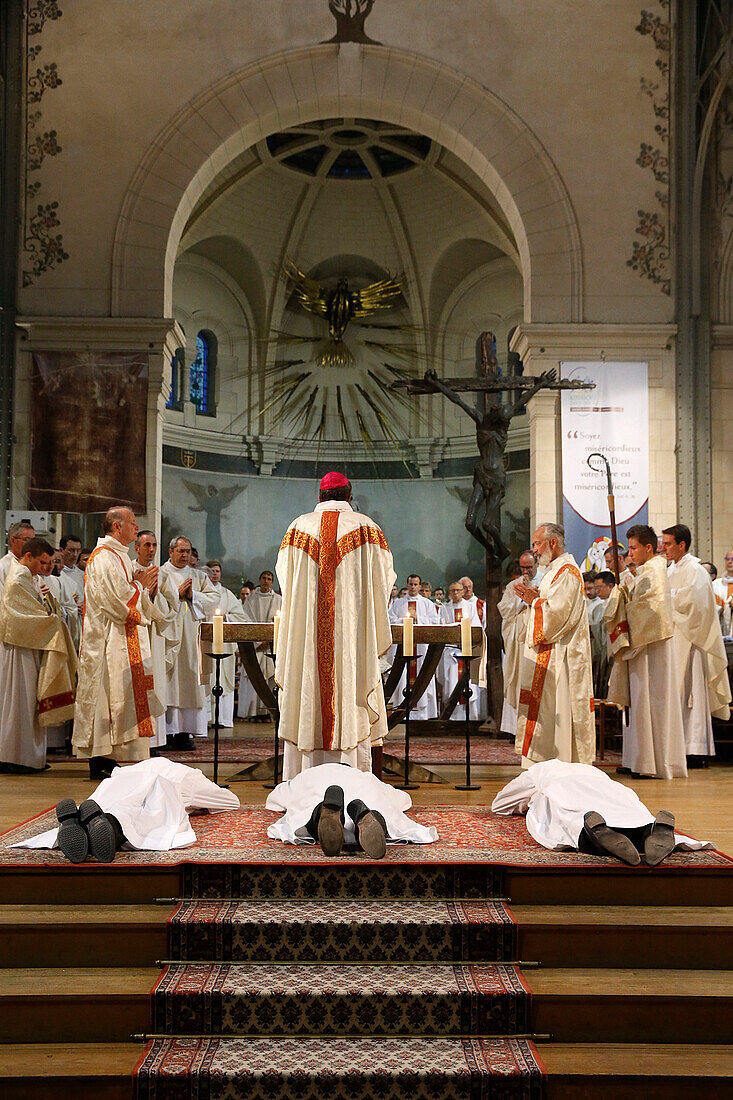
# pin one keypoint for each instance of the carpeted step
(343, 931)
(327, 1069)
(252, 1000)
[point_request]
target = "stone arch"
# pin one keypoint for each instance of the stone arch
(367, 81)
(725, 284)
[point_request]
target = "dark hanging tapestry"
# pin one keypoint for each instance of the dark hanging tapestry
(89, 421)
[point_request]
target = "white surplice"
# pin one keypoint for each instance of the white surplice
(449, 614)
(701, 660)
(5, 563)
(71, 582)
(424, 613)
(186, 695)
(152, 801)
(299, 797)
(556, 717)
(335, 571)
(166, 604)
(555, 796)
(514, 618)
(116, 704)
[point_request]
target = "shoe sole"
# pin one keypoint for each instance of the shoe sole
(330, 831)
(73, 840)
(608, 842)
(660, 842)
(371, 837)
(99, 830)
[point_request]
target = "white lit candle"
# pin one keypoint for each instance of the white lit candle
(217, 632)
(466, 647)
(408, 646)
(275, 631)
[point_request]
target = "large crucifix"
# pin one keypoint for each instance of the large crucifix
(483, 517)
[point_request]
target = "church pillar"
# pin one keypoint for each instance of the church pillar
(542, 347)
(91, 338)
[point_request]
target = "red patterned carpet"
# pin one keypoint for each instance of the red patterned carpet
(471, 834)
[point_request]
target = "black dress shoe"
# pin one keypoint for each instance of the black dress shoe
(331, 821)
(608, 842)
(660, 841)
(623, 771)
(101, 767)
(99, 830)
(184, 742)
(73, 839)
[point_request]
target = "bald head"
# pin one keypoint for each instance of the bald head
(120, 523)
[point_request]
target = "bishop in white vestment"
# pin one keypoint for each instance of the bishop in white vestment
(187, 714)
(423, 613)
(335, 572)
(116, 704)
(556, 711)
(701, 661)
(645, 677)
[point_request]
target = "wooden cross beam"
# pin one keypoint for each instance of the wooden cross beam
(487, 384)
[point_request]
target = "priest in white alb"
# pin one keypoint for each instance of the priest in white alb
(701, 661)
(423, 612)
(335, 572)
(164, 593)
(556, 713)
(187, 689)
(645, 677)
(514, 615)
(116, 704)
(71, 580)
(233, 612)
(723, 592)
(18, 535)
(454, 611)
(261, 607)
(37, 664)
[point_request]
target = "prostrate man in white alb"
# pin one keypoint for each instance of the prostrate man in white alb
(18, 535)
(116, 704)
(72, 585)
(556, 715)
(233, 612)
(261, 607)
(640, 625)
(514, 616)
(702, 665)
(449, 613)
(423, 612)
(187, 714)
(164, 593)
(573, 806)
(723, 592)
(335, 572)
(37, 665)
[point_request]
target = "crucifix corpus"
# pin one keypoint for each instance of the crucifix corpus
(483, 517)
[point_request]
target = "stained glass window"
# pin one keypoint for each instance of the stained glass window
(174, 397)
(199, 375)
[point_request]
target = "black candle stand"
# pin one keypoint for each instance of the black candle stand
(407, 785)
(217, 691)
(275, 692)
(465, 681)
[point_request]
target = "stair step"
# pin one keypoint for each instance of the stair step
(95, 1005)
(692, 937)
(82, 935)
(361, 1069)
(262, 1000)
(395, 930)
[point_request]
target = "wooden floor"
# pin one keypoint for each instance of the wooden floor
(701, 803)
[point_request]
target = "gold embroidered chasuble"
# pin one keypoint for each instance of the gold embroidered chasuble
(556, 714)
(335, 572)
(116, 702)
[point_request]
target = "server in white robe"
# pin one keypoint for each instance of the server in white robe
(514, 615)
(116, 704)
(449, 613)
(151, 801)
(555, 797)
(233, 612)
(600, 650)
(723, 592)
(164, 593)
(479, 699)
(299, 797)
(71, 579)
(423, 613)
(49, 586)
(247, 700)
(556, 709)
(261, 607)
(187, 691)
(701, 661)
(18, 535)
(335, 571)
(37, 664)
(640, 624)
